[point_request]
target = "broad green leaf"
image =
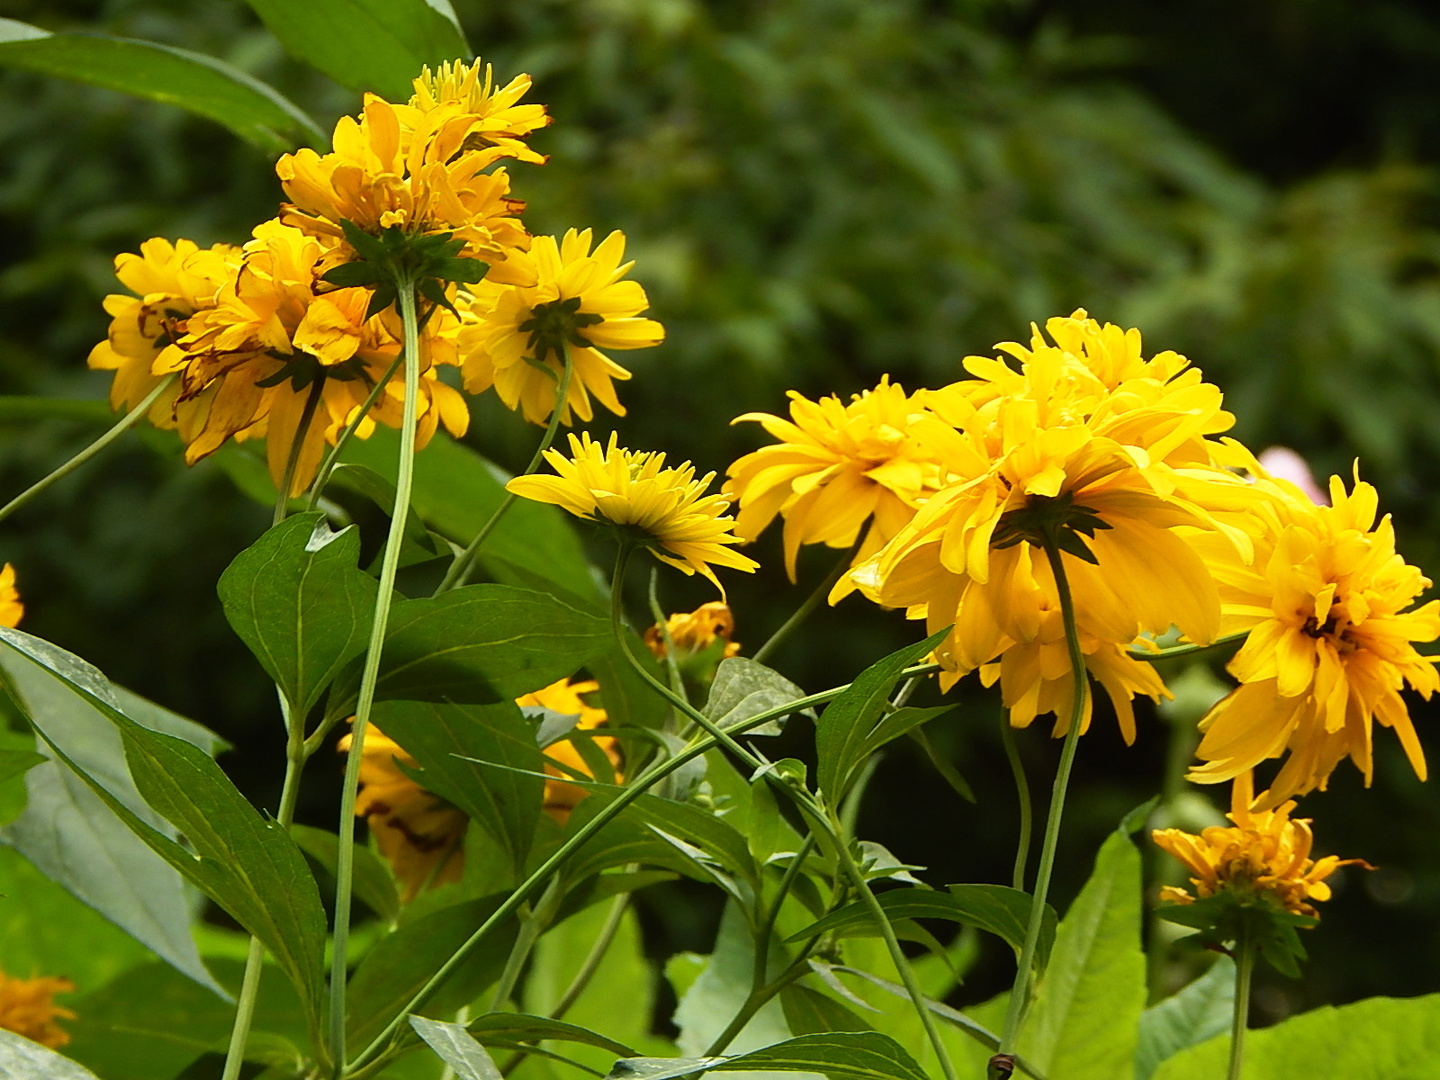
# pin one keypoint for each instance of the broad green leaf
(859, 1055)
(65, 829)
(245, 863)
(1083, 1023)
(850, 720)
(998, 909)
(480, 644)
(297, 600)
(367, 482)
(373, 882)
(810, 1012)
(450, 743)
(743, 688)
(1198, 1012)
(455, 1046)
(256, 112)
(21, 1059)
(628, 700)
(376, 45)
(1375, 1039)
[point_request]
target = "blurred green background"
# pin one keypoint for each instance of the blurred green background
(818, 192)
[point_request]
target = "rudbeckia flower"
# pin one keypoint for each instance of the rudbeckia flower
(489, 121)
(696, 631)
(517, 338)
(11, 609)
(27, 1007)
(665, 509)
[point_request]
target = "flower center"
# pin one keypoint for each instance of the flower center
(555, 324)
(1050, 520)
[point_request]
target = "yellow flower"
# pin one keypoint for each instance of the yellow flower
(516, 337)
(666, 509)
(1265, 855)
(1330, 643)
(11, 609)
(171, 283)
(419, 834)
(568, 698)
(277, 354)
(491, 121)
(27, 1007)
(836, 468)
(696, 631)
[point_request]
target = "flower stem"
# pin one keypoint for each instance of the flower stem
(812, 601)
(297, 443)
(332, 458)
(124, 424)
(390, 562)
(1019, 996)
(1022, 791)
(464, 563)
(1244, 968)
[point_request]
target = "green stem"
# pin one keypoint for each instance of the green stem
(812, 601)
(332, 458)
(1019, 996)
(1244, 968)
(533, 923)
(1022, 790)
(754, 1002)
(124, 424)
(390, 562)
(1185, 650)
(307, 417)
(464, 563)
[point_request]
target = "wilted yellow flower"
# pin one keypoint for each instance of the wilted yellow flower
(568, 698)
(517, 337)
(695, 631)
(836, 468)
(1265, 854)
(1330, 642)
(11, 609)
(171, 283)
(667, 510)
(27, 1007)
(419, 834)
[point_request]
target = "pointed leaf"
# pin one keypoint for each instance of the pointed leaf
(743, 688)
(860, 1055)
(373, 882)
(1197, 1013)
(21, 1059)
(468, 1060)
(512, 1028)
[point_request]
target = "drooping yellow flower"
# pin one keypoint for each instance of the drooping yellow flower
(667, 510)
(493, 122)
(1264, 855)
(419, 834)
(1330, 645)
(11, 609)
(517, 338)
(835, 469)
(170, 282)
(27, 1007)
(568, 698)
(280, 356)
(695, 631)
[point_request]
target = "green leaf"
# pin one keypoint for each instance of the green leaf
(1199, 1012)
(511, 1029)
(897, 722)
(376, 45)
(1083, 1023)
(451, 743)
(255, 111)
(369, 483)
(467, 1059)
(743, 688)
(297, 600)
(850, 720)
(722, 988)
(245, 863)
(374, 883)
(479, 644)
(21, 1059)
(809, 1012)
(1375, 1039)
(65, 830)
(15, 763)
(859, 1055)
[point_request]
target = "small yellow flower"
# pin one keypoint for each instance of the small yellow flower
(836, 468)
(666, 509)
(490, 121)
(1264, 855)
(11, 609)
(695, 631)
(516, 338)
(568, 698)
(27, 1007)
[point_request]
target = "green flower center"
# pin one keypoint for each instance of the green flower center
(555, 324)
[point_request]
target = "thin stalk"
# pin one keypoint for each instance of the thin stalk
(390, 562)
(591, 964)
(464, 563)
(332, 458)
(124, 424)
(672, 665)
(297, 443)
(1015, 1015)
(1244, 968)
(812, 601)
(1022, 791)
(533, 923)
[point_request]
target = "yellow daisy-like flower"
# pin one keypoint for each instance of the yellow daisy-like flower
(517, 338)
(171, 282)
(27, 1007)
(695, 631)
(1330, 646)
(493, 121)
(1265, 855)
(665, 509)
(568, 698)
(836, 468)
(11, 609)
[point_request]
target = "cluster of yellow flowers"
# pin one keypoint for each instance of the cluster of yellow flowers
(257, 342)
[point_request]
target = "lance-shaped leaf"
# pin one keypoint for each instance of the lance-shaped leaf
(1196, 1014)
(840, 1055)
(21, 1059)
(743, 688)
(299, 603)
(377, 45)
(255, 111)
(843, 737)
(455, 1046)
